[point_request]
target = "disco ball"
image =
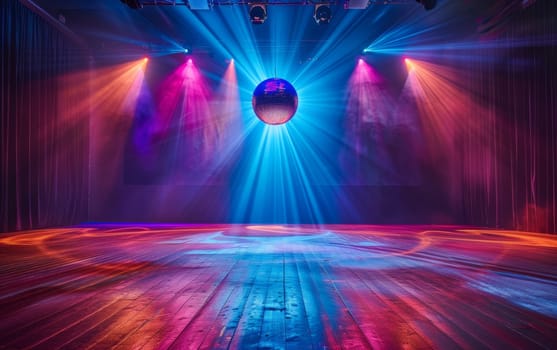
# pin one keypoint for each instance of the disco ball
(274, 101)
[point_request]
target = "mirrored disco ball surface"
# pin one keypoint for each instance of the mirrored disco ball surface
(275, 101)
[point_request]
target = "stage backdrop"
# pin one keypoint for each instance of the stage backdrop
(515, 183)
(179, 141)
(43, 135)
(463, 131)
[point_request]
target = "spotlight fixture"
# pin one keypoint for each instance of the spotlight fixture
(322, 14)
(428, 4)
(257, 13)
(134, 4)
(409, 65)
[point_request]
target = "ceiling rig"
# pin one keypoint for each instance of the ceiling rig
(322, 13)
(207, 4)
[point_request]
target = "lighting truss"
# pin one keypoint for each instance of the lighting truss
(270, 2)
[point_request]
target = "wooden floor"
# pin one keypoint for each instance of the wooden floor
(277, 287)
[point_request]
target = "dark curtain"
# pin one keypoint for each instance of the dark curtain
(517, 188)
(43, 137)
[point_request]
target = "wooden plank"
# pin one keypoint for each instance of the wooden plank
(242, 282)
(186, 302)
(195, 330)
(340, 329)
(272, 333)
(297, 331)
(145, 309)
(96, 303)
(193, 287)
(247, 334)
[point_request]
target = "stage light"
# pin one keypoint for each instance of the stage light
(145, 59)
(134, 4)
(186, 50)
(257, 13)
(428, 4)
(322, 14)
(409, 64)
